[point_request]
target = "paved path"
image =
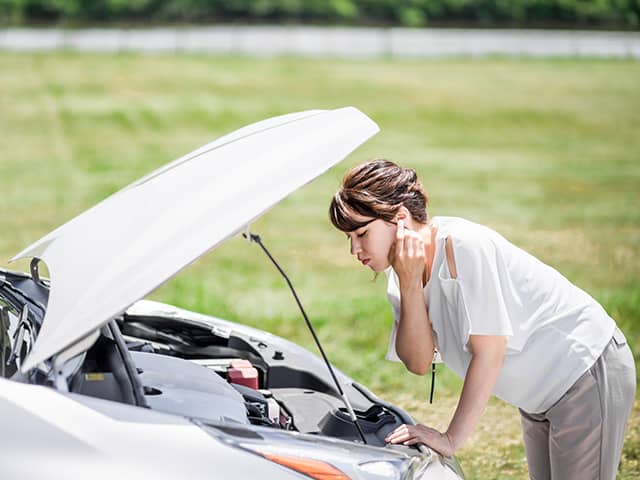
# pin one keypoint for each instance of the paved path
(330, 41)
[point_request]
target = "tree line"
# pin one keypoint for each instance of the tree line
(623, 14)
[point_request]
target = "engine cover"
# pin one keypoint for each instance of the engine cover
(181, 387)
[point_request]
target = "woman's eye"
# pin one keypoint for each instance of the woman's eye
(360, 235)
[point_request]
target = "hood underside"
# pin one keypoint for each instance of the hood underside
(120, 250)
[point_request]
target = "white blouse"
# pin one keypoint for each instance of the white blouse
(555, 331)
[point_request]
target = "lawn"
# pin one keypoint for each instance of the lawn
(545, 151)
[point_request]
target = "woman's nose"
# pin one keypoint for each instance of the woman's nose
(355, 247)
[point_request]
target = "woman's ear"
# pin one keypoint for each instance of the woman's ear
(403, 214)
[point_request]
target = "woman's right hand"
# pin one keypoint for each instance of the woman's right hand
(407, 257)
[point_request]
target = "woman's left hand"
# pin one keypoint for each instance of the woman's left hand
(414, 434)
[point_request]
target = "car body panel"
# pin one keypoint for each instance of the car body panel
(117, 252)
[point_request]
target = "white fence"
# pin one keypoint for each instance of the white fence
(330, 41)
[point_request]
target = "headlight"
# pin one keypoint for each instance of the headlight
(381, 470)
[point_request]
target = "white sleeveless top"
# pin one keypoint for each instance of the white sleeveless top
(555, 330)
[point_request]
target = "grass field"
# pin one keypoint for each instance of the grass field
(545, 151)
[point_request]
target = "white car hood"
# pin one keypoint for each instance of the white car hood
(118, 251)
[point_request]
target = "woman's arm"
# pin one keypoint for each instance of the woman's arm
(488, 354)
(414, 339)
(487, 357)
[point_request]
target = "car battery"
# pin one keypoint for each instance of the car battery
(241, 372)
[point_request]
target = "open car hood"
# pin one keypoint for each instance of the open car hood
(120, 250)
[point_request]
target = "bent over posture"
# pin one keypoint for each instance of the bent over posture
(501, 319)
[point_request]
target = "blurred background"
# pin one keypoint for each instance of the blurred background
(523, 115)
(619, 14)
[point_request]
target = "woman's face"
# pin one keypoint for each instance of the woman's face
(371, 242)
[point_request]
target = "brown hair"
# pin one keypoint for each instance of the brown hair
(377, 189)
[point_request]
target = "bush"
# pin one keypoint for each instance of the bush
(567, 13)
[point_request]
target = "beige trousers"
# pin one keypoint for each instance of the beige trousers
(581, 436)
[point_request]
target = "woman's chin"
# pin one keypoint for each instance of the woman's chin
(377, 268)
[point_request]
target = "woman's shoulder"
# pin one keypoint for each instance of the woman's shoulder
(454, 223)
(469, 241)
(462, 230)
(473, 241)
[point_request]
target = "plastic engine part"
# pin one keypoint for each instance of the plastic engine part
(241, 372)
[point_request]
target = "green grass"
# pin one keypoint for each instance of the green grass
(545, 151)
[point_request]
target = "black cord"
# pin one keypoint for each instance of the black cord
(258, 240)
(433, 381)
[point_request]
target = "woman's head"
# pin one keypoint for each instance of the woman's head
(373, 197)
(377, 189)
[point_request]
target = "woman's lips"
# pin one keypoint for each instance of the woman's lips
(365, 262)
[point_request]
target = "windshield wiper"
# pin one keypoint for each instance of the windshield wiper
(24, 327)
(256, 238)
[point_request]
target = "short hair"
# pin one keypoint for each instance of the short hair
(377, 189)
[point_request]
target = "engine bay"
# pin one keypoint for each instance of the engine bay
(214, 374)
(233, 389)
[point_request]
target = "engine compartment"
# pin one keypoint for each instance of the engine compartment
(213, 374)
(208, 369)
(210, 389)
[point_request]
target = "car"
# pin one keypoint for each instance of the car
(96, 381)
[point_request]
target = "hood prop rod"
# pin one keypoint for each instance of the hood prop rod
(256, 238)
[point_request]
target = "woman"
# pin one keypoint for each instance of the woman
(501, 319)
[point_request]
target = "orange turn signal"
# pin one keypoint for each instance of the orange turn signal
(312, 468)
